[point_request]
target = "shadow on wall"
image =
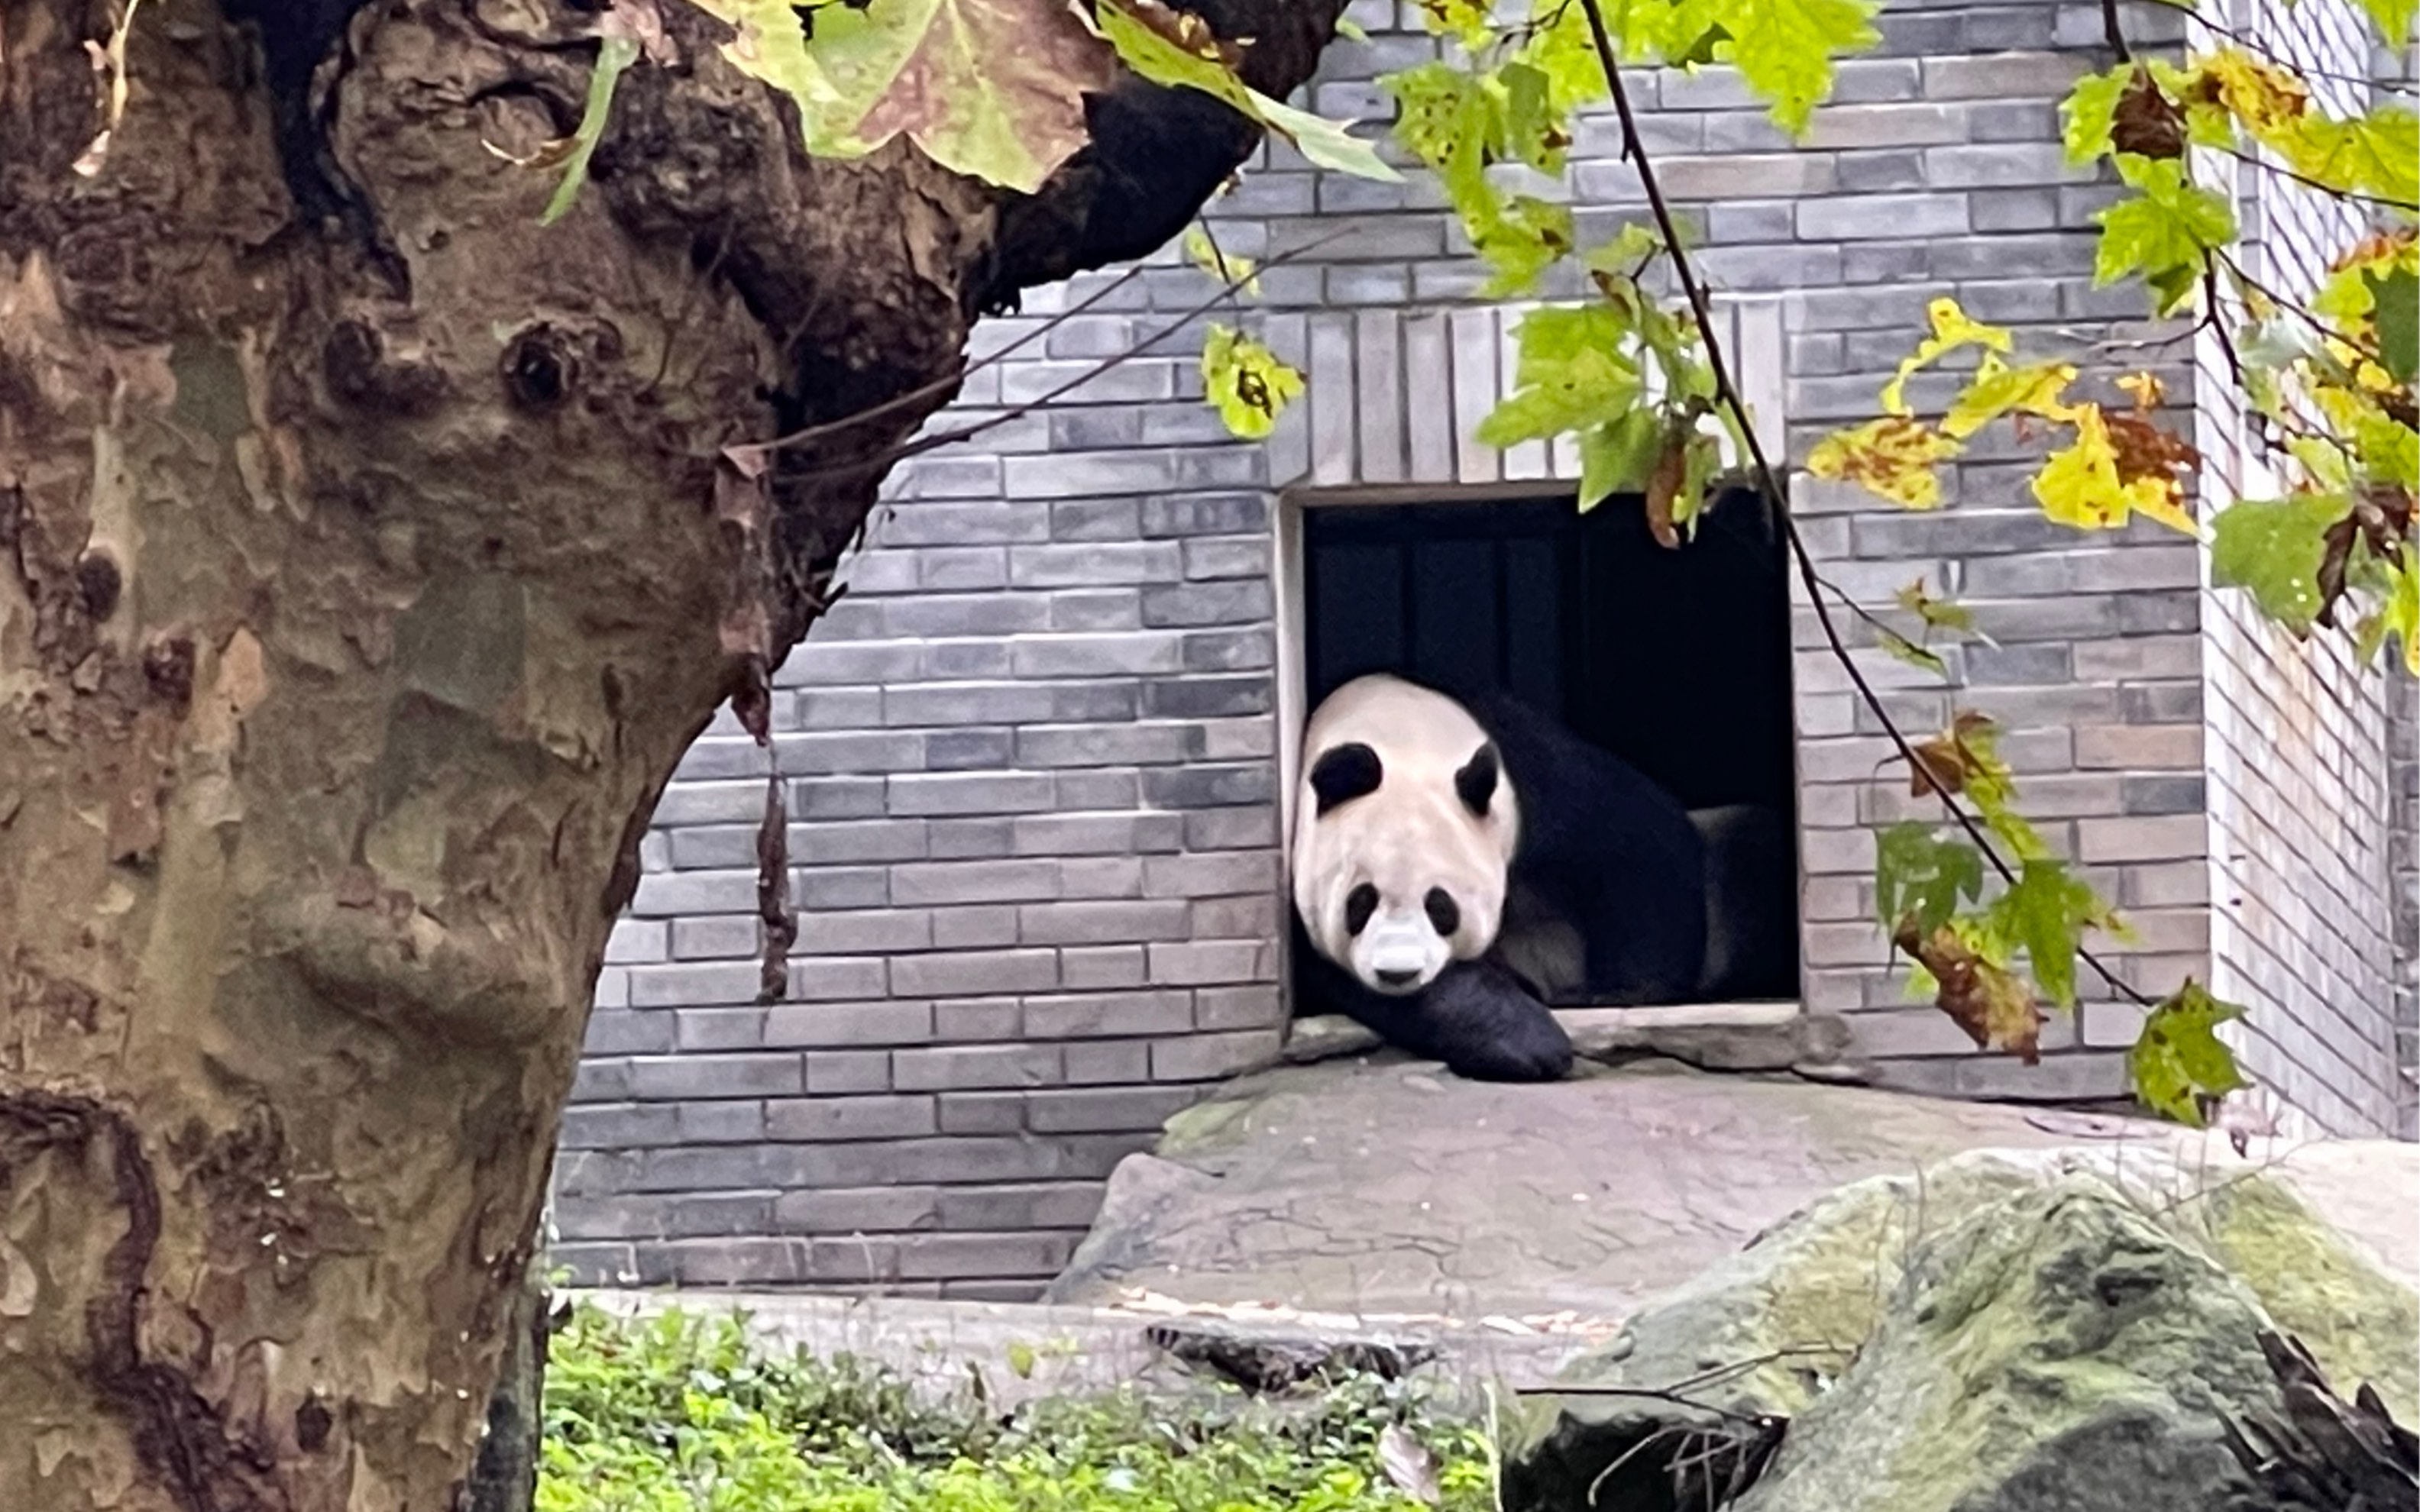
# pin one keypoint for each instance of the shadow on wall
(1677, 661)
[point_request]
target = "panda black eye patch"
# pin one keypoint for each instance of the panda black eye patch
(1443, 912)
(1475, 784)
(1344, 773)
(1359, 904)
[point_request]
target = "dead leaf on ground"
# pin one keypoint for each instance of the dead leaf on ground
(1409, 1464)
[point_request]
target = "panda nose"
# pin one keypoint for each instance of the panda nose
(1399, 978)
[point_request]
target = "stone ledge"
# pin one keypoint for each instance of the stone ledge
(1739, 1037)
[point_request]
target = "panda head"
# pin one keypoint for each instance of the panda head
(1405, 830)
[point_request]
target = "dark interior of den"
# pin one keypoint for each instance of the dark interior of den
(1675, 660)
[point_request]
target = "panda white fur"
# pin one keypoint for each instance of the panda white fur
(1452, 860)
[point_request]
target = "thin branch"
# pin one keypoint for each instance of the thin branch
(940, 385)
(2114, 34)
(1769, 481)
(2271, 165)
(1225, 294)
(2253, 44)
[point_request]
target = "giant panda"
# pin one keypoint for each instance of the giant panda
(1453, 861)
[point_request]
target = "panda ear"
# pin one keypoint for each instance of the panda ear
(1476, 781)
(1344, 773)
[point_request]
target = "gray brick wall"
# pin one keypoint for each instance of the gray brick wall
(1036, 756)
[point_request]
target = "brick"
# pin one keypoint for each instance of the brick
(615, 1032)
(837, 797)
(942, 1255)
(837, 1024)
(820, 1118)
(983, 1113)
(718, 1029)
(1209, 1057)
(1195, 604)
(2139, 748)
(2003, 75)
(1198, 698)
(1100, 1062)
(1105, 1016)
(1098, 655)
(1882, 217)
(629, 1125)
(955, 1067)
(974, 881)
(860, 1210)
(2165, 838)
(1101, 876)
(1103, 921)
(1239, 828)
(1255, 1007)
(1038, 1205)
(1094, 564)
(975, 973)
(694, 1076)
(975, 928)
(1100, 745)
(1098, 834)
(865, 932)
(1252, 915)
(1105, 1110)
(1096, 967)
(982, 838)
(1211, 963)
(725, 937)
(1208, 786)
(1089, 610)
(964, 1020)
(1210, 875)
(1204, 514)
(669, 986)
(955, 792)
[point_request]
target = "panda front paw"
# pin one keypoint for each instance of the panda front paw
(1486, 1026)
(1540, 1051)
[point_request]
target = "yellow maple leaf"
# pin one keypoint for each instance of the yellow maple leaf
(1952, 328)
(1892, 457)
(2082, 485)
(1997, 388)
(2267, 99)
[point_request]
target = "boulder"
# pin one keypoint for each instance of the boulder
(2060, 1352)
(1871, 1278)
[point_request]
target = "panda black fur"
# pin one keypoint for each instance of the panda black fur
(1532, 838)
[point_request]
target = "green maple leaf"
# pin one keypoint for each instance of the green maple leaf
(614, 55)
(2392, 19)
(2272, 549)
(993, 90)
(2178, 1058)
(1571, 375)
(2164, 231)
(1250, 384)
(2046, 912)
(1520, 241)
(2090, 113)
(1784, 49)
(2395, 300)
(1617, 455)
(1163, 46)
(1918, 874)
(2378, 153)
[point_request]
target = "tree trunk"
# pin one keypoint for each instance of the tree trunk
(504, 1477)
(365, 565)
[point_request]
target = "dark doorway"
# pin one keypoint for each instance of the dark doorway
(1678, 661)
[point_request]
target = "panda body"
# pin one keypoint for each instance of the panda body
(1451, 859)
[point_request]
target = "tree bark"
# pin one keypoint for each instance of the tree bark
(367, 562)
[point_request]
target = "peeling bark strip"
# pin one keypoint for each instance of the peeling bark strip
(367, 562)
(183, 1439)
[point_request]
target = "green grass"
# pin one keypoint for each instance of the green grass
(683, 1413)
